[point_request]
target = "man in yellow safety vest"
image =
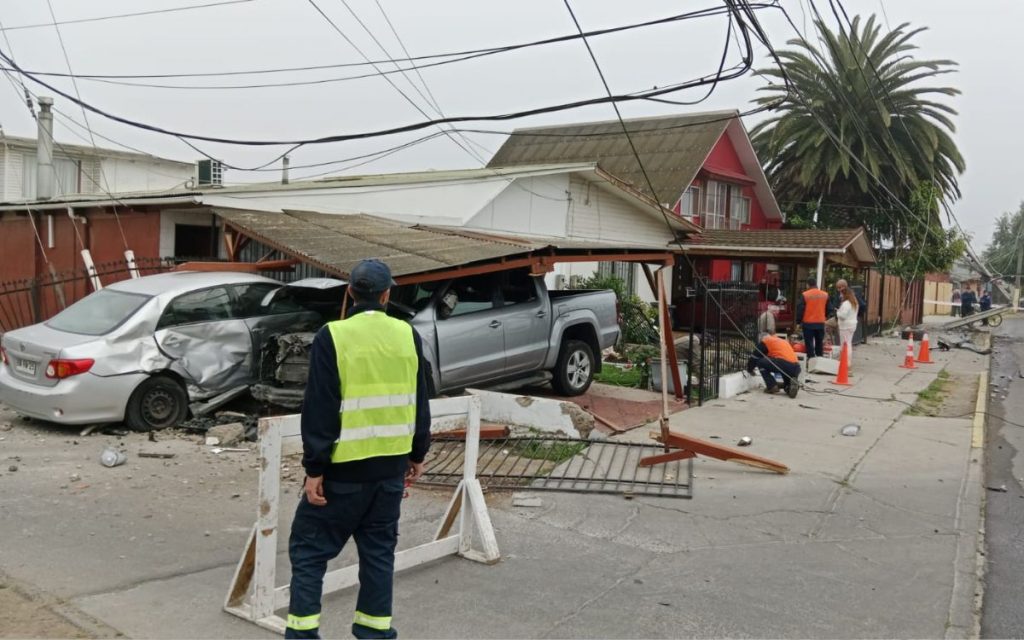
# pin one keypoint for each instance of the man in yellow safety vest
(365, 432)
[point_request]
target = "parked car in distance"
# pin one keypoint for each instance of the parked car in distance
(139, 350)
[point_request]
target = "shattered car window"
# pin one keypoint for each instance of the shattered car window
(249, 301)
(99, 313)
(205, 305)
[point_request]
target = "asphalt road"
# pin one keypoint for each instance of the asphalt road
(1002, 615)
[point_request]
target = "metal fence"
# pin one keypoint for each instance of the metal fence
(723, 330)
(32, 300)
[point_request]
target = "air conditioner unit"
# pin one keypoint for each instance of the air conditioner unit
(209, 173)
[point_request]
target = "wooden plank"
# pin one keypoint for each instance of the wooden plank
(267, 518)
(486, 433)
(482, 526)
(454, 505)
(242, 579)
(661, 458)
(349, 576)
(719, 452)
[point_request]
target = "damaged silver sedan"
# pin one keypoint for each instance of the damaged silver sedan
(139, 351)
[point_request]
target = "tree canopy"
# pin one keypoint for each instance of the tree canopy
(856, 111)
(1001, 253)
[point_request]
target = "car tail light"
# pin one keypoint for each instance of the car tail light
(3, 355)
(60, 369)
(618, 311)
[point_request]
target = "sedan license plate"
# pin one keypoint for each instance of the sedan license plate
(25, 366)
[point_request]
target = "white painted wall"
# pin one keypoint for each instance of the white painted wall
(129, 174)
(534, 205)
(95, 174)
(446, 203)
(597, 214)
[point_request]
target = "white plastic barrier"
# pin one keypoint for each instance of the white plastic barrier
(254, 596)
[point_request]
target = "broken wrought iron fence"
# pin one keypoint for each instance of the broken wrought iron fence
(723, 330)
(31, 300)
(552, 463)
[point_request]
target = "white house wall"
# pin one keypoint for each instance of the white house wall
(596, 214)
(126, 174)
(451, 203)
(533, 206)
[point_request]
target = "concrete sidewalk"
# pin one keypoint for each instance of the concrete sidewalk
(868, 536)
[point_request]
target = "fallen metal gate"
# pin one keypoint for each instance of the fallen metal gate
(550, 463)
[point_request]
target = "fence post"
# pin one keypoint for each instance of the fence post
(703, 346)
(33, 297)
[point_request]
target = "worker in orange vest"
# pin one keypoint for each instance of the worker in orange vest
(774, 358)
(812, 310)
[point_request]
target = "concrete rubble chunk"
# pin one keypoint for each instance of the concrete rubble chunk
(228, 434)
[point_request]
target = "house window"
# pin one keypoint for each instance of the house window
(739, 207)
(736, 271)
(66, 180)
(713, 215)
(689, 203)
(625, 271)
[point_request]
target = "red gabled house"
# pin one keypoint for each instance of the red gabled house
(700, 165)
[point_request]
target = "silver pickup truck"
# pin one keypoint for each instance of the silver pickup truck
(486, 329)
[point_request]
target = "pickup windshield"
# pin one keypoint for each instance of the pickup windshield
(99, 313)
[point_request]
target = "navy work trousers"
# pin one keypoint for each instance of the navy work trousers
(814, 339)
(770, 366)
(368, 512)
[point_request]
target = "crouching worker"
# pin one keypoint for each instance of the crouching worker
(775, 355)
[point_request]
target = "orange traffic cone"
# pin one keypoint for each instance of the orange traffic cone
(843, 377)
(908, 361)
(924, 355)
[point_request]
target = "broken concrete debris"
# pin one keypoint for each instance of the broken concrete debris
(999, 489)
(745, 441)
(12, 468)
(228, 434)
(156, 454)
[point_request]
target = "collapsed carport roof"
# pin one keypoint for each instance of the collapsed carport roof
(335, 243)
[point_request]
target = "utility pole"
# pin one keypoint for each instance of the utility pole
(1016, 289)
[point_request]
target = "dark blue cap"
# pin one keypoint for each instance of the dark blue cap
(371, 276)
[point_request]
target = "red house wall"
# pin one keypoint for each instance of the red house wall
(21, 256)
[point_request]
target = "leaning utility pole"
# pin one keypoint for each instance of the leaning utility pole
(1016, 289)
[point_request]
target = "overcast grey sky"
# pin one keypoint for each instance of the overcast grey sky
(288, 33)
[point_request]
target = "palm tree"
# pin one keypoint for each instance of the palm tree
(872, 93)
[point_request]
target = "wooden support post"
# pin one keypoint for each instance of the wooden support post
(665, 338)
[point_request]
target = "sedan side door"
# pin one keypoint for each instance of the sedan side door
(209, 348)
(470, 332)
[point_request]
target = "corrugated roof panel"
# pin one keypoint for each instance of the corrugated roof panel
(339, 242)
(672, 149)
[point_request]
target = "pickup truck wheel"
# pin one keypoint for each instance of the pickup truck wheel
(157, 403)
(575, 369)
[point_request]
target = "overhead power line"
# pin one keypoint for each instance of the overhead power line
(125, 15)
(438, 59)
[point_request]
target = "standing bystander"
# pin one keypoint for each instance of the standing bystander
(365, 433)
(812, 310)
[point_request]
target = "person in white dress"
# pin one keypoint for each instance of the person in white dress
(847, 316)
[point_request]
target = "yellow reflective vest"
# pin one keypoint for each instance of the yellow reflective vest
(377, 364)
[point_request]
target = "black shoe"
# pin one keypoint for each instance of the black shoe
(793, 389)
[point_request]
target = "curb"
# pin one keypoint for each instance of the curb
(980, 411)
